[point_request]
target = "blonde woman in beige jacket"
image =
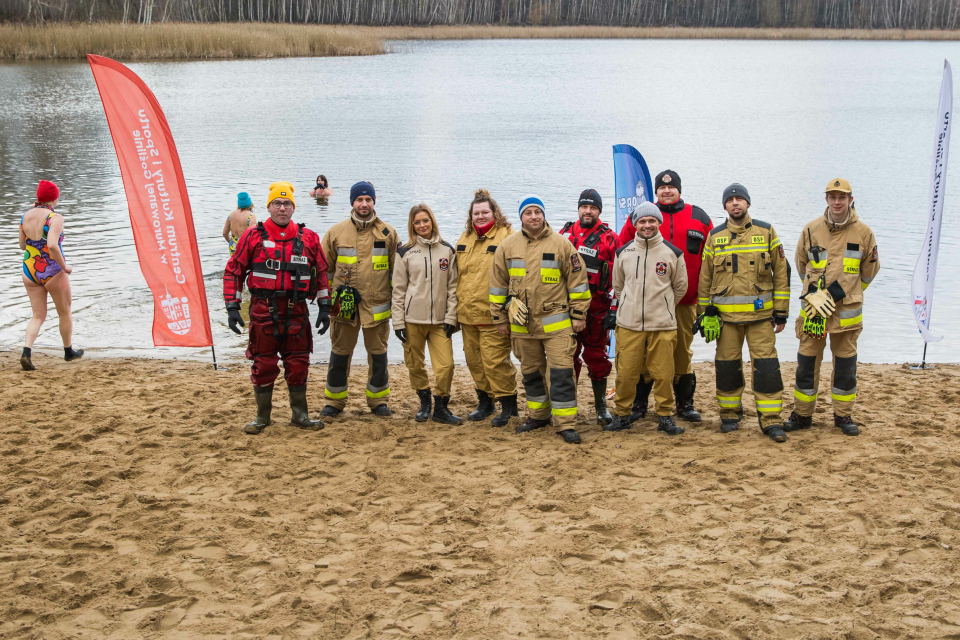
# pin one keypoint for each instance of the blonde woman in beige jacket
(424, 310)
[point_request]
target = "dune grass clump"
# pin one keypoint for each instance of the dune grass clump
(173, 41)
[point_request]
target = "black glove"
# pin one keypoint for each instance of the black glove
(449, 329)
(323, 319)
(401, 333)
(779, 319)
(234, 319)
(609, 320)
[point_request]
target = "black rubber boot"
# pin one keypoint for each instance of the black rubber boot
(70, 354)
(423, 414)
(776, 433)
(640, 402)
(25, 362)
(669, 425)
(508, 409)
(441, 412)
(532, 423)
(330, 412)
(264, 397)
(570, 436)
(796, 422)
(381, 410)
(846, 424)
(683, 390)
(729, 426)
(299, 415)
(618, 423)
(600, 402)
(485, 407)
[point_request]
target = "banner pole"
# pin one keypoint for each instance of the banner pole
(923, 362)
(213, 350)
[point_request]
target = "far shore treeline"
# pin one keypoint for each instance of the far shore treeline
(801, 14)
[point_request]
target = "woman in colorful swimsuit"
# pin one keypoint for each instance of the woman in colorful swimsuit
(239, 220)
(45, 271)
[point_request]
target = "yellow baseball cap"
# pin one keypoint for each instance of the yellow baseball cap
(281, 190)
(838, 184)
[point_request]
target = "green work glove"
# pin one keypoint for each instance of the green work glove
(710, 324)
(814, 324)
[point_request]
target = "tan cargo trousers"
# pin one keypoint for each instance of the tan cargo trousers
(767, 382)
(558, 398)
(419, 338)
(343, 340)
(651, 352)
(683, 351)
(488, 358)
(844, 384)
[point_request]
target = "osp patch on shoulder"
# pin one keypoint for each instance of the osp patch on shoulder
(661, 269)
(575, 262)
(444, 264)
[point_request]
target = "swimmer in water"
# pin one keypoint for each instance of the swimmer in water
(239, 220)
(322, 190)
(45, 271)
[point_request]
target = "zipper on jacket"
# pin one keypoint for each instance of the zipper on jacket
(430, 260)
(668, 306)
(643, 299)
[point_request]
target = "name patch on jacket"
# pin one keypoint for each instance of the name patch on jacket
(588, 251)
(444, 264)
(661, 269)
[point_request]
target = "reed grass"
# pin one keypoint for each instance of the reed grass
(494, 32)
(173, 41)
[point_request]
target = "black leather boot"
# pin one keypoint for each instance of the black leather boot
(600, 401)
(485, 407)
(300, 417)
(846, 424)
(796, 422)
(441, 413)
(532, 423)
(640, 402)
(508, 409)
(330, 412)
(776, 433)
(683, 391)
(669, 425)
(570, 436)
(619, 423)
(264, 397)
(423, 414)
(381, 411)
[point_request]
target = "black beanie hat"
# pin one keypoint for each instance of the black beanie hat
(590, 196)
(669, 177)
(736, 189)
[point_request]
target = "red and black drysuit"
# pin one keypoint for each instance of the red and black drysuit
(597, 246)
(284, 267)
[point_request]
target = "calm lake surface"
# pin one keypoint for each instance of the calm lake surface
(433, 121)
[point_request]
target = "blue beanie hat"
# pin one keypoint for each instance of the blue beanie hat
(243, 200)
(532, 201)
(362, 189)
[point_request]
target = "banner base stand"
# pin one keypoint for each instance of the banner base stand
(922, 365)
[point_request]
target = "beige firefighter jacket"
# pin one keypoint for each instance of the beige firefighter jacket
(847, 258)
(425, 284)
(744, 272)
(649, 279)
(474, 258)
(362, 255)
(546, 273)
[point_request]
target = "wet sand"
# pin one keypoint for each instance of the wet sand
(132, 506)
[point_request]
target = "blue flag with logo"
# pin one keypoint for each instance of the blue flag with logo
(632, 186)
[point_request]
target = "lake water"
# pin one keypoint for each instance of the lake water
(436, 120)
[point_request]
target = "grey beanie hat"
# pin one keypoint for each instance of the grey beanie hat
(736, 189)
(645, 209)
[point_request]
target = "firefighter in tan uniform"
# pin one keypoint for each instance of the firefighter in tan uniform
(837, 260)
(744, 293)
(547, 298)
(360, 253)
(487, 351)
(649, 278)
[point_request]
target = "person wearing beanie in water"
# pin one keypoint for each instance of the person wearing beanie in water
(837, 259)
(540, 295)
(283, 267)
(486, 350)
(45, 271)
(685, 226)
(239, 220)
(597, 246)
(425, 310)
(361, 254)
(744, 294)
(648, 278)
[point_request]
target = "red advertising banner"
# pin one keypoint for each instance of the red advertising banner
(159, 207)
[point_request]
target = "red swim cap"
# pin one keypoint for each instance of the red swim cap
(47, 191)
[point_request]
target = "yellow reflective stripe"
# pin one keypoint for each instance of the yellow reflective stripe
(498, 295)
(537, 405)
(818, 265)
(335, 395)
(799, 395)
(740, 248)
(729, 402)
(378, 394)
(781, 295)
(557, 326)
(851, 317)
(583, 295)
(346, 259)
(769, 405)
(381, 311)
(572, 411)
(707, 251)
(498, 299)
(516, 328)
(844, 398)
(775, 243)
(517, 273)
(742, 308)
(703, 302)
(864, 285)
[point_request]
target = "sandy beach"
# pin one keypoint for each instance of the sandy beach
(132, 506)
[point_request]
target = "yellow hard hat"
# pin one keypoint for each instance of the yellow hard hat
(838, 184)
